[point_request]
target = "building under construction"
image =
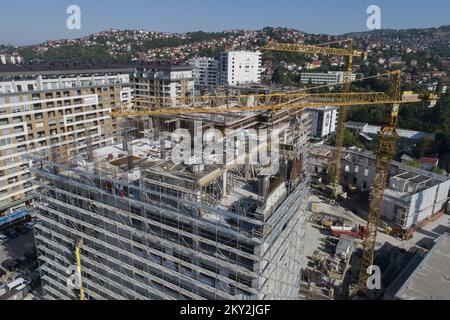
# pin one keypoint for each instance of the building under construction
(153, 229)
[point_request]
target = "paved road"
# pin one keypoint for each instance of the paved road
(15, 248)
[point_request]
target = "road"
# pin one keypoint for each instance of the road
(15, 248)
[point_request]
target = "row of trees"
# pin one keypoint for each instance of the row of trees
(417, 117)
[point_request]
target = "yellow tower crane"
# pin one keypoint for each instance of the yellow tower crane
(349, 53)
(385, 153)
(300, 100)
(78, 246)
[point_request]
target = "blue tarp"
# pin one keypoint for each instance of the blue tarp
(12, 217)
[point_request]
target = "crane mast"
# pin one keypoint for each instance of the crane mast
(340, 130)
(385, 153)
(348, 53)
(78, 263)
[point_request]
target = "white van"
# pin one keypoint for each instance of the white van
(18, 284)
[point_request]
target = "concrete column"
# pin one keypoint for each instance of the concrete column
(247, 166)
(264, 183)
(224, 183)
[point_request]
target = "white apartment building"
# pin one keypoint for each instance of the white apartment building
(206, 71)
(10, 59)
(330, 78)
(240, 68)
(48, 111)
(324, 121)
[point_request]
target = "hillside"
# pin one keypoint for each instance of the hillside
(128, 44)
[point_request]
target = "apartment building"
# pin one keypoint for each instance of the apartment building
(206, 72)
(240, 68)
(152, 229)
(330, 78)
(162, 83)
(324, 121)
(10, 59)
(52, 111)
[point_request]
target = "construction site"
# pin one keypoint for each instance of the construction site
(155, 230)
(129, 222)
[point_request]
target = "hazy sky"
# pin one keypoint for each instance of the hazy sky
(34, 21)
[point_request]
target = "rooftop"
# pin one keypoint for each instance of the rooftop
(430, 161)
(55, 68)
(60, 68)
(354, 124)
(431, 279)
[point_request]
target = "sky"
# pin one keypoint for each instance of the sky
(34, 21)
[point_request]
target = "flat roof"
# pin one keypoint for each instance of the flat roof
(431, 279)
(61, 67)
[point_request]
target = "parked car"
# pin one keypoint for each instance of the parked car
(30, 225)
(36, 220)
(10, 265)
(3, 238)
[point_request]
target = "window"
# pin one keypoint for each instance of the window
(17, 119)
(4, 142)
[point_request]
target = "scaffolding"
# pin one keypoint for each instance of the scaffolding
(153, 230)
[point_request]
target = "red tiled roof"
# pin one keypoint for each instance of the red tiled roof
(433, 161)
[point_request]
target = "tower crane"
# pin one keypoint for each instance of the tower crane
(385, 153)
(78, 246)
(348, 53)
(300, 100)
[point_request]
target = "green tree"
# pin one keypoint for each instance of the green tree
(413, 164)
(281, 76)
(350, 140)
(425, 147)
(438, 170)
